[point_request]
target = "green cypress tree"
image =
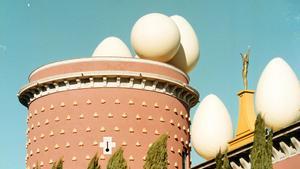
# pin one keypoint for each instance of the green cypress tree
(94, 163)
(58, 165)
(117, 160)
(37, 166)
(54, 165)
(218, 160)
(226, 164)
(157, 155)
(269, 146)
(259, 153)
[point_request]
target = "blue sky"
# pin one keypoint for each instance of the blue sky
(36, 32)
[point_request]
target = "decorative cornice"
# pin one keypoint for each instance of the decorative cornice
(109, 79)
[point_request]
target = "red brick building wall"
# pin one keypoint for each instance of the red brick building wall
(69, 114)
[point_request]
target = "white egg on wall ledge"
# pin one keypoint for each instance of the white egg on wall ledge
(211, 127)
(278, 95)
(112, 46)
(188, 53)
(155, 37)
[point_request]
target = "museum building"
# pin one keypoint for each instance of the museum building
(80, 107)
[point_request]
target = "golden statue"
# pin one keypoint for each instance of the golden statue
(245, 58)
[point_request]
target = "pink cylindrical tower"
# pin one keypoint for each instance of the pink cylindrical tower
(77, 108)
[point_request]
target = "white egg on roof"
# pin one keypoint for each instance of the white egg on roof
(211, 127)
(112, 46)
(188, 53)
(278, 95)
(155, 37)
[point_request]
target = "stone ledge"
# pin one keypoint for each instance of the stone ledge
(109, 79)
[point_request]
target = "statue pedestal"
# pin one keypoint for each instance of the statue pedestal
(246, 122)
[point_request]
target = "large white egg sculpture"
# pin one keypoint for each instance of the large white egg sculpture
(155, 37)
(188, 53)
(278, 95)
(211, 127)
(112, 46)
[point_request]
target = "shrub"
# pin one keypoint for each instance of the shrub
(226, 164)
(117, 160)
(157, 156)
(94, 163)
(261, 156)
(218, 160)
(58, 165)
